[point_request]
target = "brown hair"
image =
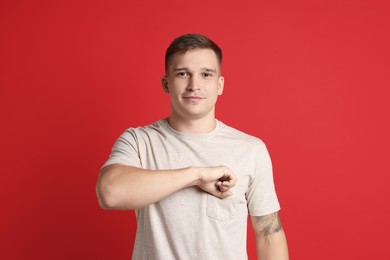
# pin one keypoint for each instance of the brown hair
(188, 42)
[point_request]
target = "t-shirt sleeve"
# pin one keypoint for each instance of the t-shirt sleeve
(261, 195)
(125, 150)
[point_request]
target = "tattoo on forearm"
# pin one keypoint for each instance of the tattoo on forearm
(270, 224)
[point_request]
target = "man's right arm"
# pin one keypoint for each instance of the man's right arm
(126, 187)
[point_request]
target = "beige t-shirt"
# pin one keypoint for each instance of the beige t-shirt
(192, 224)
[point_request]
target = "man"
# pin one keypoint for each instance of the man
(190, 178)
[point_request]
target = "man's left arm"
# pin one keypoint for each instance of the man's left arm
(271, 241)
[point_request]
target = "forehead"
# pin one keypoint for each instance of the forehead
(194, 59)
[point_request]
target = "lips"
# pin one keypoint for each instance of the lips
(193, 97)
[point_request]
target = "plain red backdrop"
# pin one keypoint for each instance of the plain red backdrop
(310, 78)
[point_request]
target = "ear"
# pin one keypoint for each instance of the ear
(221, 82)
(164, 83)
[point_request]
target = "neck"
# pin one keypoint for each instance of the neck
(202, 125)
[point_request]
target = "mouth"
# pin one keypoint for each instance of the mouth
(193, 97)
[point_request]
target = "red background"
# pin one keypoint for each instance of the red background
(310, 78)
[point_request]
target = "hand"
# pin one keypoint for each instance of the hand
(217, 181)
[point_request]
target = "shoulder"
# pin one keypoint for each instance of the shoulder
(145, 132)
(233, 133)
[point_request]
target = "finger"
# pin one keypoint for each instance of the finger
(233, 180)
(217, 194)
(223, 188)
(221, 194)
(228, 184)
(226, 194)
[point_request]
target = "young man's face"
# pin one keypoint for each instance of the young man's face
(193, 82)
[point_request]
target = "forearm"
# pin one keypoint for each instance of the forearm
(271, 241)
(272, 247)
(123, 187)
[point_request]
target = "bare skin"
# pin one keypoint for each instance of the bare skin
(194, 82)
(124, 187)
(271, 241)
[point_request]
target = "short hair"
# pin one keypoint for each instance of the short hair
(189, 42)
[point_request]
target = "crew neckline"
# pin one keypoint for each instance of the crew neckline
(189, 135)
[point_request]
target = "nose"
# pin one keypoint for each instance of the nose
(193, 84)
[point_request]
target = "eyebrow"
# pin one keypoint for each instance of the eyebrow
(209, 70)
(204, 68)
(180, 68)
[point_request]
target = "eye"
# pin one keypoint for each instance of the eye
(182, 74)
(207, 75)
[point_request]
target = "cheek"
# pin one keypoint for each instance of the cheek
(175, 92)
(213, 96)
(178, 85)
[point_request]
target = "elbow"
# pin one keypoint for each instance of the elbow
(104, 202)
(105, 196)
(111, 193)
